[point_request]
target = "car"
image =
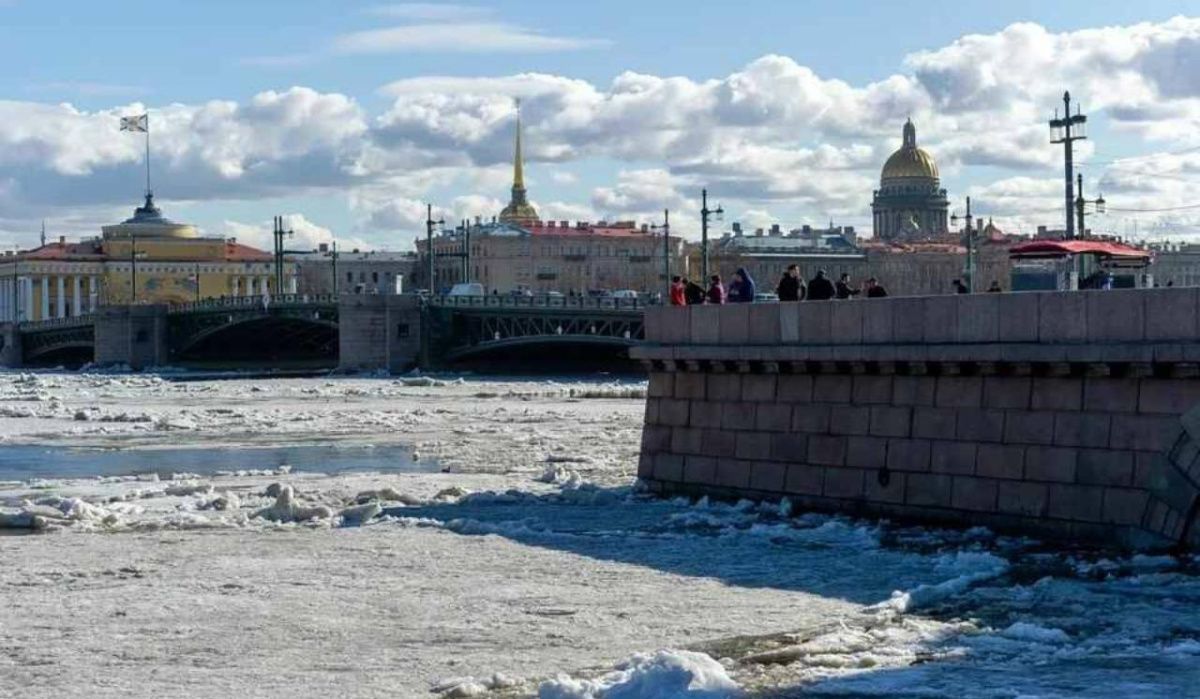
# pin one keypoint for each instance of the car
(467, 289)
(624, 294)
(766, 297)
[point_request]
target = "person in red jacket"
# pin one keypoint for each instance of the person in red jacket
(677, 298)
(716, 292)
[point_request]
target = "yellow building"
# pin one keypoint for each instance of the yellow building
(168, 262)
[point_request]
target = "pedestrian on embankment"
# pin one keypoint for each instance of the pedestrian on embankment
(742, 288)
(820, 288)
(842, 289)
(791, 287)
(875, 290)
(677, 296)
(716, 292)
(693, 293)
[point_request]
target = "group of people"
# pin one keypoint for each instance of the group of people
(791, 287)
(685, 292)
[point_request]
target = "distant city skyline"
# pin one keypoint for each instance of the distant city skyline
(350, 120)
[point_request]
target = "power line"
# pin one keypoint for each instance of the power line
(1155, 211)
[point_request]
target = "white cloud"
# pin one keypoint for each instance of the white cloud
(772, 136)
(457, 37)
(307, 235)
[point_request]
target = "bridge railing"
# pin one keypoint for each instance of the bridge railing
(566, 302)
(48, 323)
(253, 301)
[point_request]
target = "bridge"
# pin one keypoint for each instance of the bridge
(1071, 415)
(353, 331)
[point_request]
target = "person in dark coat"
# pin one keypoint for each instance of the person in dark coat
(995, 287)
(820, 288)
(742, 288)
(960, 287)
(716, 292)
(842, 289)
(875, 290)
(791, 286)
(693, 293)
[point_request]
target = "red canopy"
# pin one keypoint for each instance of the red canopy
(1074, 247)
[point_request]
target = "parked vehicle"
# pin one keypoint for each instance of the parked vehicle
(468, 289)
(766, 297)
(624, 294)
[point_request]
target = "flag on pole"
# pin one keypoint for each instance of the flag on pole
(138, 123)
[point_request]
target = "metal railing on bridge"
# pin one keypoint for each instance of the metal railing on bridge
(51, 323)
(231, 302)
(565, 302)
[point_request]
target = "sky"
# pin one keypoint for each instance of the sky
(349, 118)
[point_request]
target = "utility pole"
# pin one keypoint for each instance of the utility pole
(666, 231)
(704, 214)
(1067, 130)
(467, 250)
(429, 224)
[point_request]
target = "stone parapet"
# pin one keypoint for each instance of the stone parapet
(1064, 415)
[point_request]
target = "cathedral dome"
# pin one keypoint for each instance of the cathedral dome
(909, 161)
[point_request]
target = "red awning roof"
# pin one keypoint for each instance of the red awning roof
(1074, 247)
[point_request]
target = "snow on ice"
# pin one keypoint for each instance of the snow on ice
(529, 564)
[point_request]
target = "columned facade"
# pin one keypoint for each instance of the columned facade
(910, 203)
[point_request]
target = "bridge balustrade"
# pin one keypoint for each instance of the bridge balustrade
(568, 302)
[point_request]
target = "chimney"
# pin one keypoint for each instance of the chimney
(645, 227)
(564, 224)
(737, 228)
(478, 220)
(62, 240)
(549, 224)
(775, 232)
(758, 232)
(323, 247)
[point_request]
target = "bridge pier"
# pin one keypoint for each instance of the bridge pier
(380, 332)
(10, 345)
(132, 335)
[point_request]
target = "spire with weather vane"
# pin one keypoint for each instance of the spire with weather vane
(519, 211)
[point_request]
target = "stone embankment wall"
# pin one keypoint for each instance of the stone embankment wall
(1065, 415)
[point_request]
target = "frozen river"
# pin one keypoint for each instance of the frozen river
(412, 537)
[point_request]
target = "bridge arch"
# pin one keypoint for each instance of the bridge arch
(266, 337)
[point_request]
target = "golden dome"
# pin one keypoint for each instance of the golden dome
(910, 161)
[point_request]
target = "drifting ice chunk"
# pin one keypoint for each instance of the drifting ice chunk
(1024, 631)
(285, 509)
(360, 514)
(666, 674)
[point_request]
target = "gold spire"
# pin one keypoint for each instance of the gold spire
(518, 212)
(518, 163)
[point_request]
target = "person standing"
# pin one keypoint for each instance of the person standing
(791, 286)
(995, 287)
(820, 288)
(742, 288)
(960, 288)
(716, 292)
(677, 297)
(842, 289)
(875, 290)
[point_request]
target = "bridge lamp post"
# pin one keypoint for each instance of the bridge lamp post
(717, 214)
(1081, 203)
(969, 270)
(666, 231)
(429, 224)
(278, 235)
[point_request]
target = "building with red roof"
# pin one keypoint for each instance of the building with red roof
(146, 258)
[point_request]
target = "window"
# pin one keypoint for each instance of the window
(402, 330)
(141, 337)
(350, 276)
(374, 277)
